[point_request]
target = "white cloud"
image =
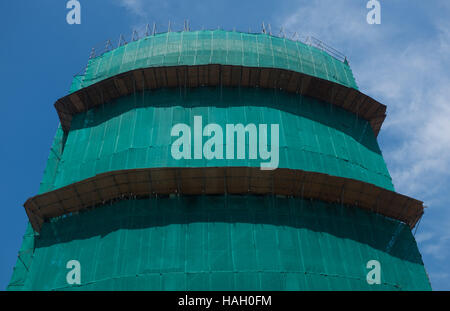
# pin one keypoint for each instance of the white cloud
(143, 8)
(437, 247)
(134, 6)
(424, 236)
(445, 276)
(339, 23)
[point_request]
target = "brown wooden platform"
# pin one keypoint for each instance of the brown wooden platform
(219, 75)
(135, 183)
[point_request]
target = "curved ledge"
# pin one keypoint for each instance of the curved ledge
(219, 75)
(115, 185)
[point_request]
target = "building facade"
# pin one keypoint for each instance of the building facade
(145, 198)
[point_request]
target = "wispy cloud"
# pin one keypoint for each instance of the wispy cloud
(160, 12)
(134, 6)
(143, 8)
(437, 250)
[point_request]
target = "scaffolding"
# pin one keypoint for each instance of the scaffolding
(102, 48)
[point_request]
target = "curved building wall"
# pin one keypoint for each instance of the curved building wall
(135, 132)
(217, 242)
(216, 47)
(224, 243)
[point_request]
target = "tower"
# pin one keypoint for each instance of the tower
(218, 160)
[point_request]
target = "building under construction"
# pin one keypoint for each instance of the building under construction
(114, 198)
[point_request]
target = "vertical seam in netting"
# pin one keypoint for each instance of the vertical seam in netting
(271, 49)
(257, 52)
(299, 57)
(226, 46)
(211, 47)
(124, 54)
(286, 53)
(324, 55)
(181, 48)
(312, 60)
(196, 48)
(97, 62)
(167, 49)
(346, 75)
(150, 50)
(337, 74)
(242, 48)
(111, 57)
(138, 43)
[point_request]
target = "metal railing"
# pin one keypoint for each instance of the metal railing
(311, 41)
(153, 29)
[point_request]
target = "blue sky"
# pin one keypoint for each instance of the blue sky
(404, 63)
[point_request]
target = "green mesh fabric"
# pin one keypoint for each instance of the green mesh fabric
(216, 47)
(224, 243)
(134, 132)
(24, 261)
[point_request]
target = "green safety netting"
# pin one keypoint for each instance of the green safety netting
(134, 132)
(216, 47)
(222, 243)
